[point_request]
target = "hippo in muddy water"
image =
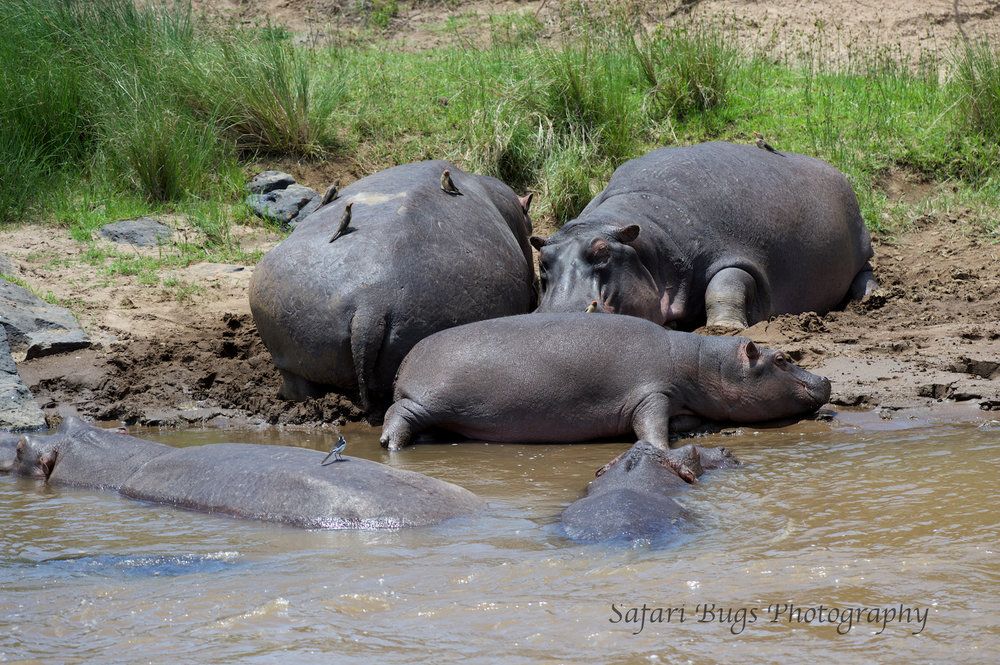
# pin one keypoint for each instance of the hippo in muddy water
(720, 233)
(392, 259)
(579, 376)
(252, 481)
(630, 498)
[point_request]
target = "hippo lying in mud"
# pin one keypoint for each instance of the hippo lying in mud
(393, 258)
(578, 376)
(269, 483)
(724, 233)
(630, 498)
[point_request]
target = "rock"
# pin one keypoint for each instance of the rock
(18, 410)
(287, 206)
(7, 266)
(141, 232)
(36, 328)
(269, 181)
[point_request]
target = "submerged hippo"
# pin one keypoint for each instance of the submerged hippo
(269, 483)
(392, 259)
(719, 233)
(578, 376)
(630, 498)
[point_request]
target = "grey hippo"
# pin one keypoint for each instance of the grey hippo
(579, 376)
(714, 233)
(260, 482)
(630, 498)
(392, 259)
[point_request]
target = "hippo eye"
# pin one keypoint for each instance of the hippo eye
(781, 361)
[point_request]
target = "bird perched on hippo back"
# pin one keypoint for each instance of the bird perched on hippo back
(339, 304)
(714, 233)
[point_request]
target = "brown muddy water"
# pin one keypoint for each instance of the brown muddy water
(833, 543)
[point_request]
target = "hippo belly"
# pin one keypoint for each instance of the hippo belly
(719, 233)
(412, 259)
(575, 377)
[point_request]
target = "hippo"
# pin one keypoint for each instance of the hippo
(393, 258)
(715, 233)
(630, 498)
(576, 376)
(269, 483)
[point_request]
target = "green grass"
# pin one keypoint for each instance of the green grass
(110, 111)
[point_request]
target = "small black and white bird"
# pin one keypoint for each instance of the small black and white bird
(345, 221)
(448, 185)
(335, 452)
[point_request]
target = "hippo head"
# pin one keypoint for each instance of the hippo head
(579, 266)
(35, 457)
(653, 465)
(754, 384)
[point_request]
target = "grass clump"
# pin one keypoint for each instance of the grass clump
(977, 79)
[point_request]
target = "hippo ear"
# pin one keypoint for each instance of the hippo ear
(537, 242)
(47, 462)
(599, 251)
(526, 201)
(752, 351)
(626, 234)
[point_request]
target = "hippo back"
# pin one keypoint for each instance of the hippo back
(289, 485)
(414, 260)
(791, 221)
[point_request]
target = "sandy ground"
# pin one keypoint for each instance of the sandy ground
(780, 27)
(930, 342)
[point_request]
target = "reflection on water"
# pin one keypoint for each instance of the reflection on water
(879, 526)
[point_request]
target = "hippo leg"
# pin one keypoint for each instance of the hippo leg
(368, 333)
(403, 419)
(651, 420)
(728, 298)
(864, 284)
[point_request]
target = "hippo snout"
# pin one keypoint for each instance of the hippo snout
(819, 390)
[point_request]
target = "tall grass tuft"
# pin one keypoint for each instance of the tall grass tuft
(977, 77)
(587, 92)
(566, 178)
(688, 69)
(264, 93)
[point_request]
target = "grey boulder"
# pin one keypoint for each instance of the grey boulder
(18, 410)
(141, 232)
(35, 327)
(276, 196)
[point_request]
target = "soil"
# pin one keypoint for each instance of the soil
(173, 355)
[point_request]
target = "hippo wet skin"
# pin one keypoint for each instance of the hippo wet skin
(720, 233)
(260, 482)
(579, 376)
(412, 259)
(630, 498)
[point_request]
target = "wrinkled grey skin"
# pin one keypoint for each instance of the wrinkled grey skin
(341, 316)
(578, 376)
(631, 497)
(268, 483)
(719, 233)
(8, 444)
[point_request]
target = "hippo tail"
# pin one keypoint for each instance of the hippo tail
(368, 338)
